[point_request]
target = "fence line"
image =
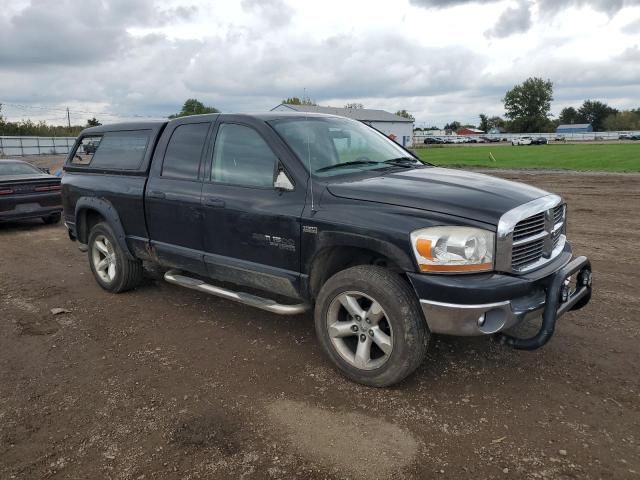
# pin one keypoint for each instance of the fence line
(569, 137)
(17, 146)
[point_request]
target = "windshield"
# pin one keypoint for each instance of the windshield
(335, 146)
(17, 168)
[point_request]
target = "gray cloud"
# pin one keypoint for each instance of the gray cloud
(446, 3)
(275, 13)
(78, 31)
(518, 19)
(513, 20)
(633, 27)
(339, 66)
(610, 7)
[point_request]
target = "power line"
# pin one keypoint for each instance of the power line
(80, 112)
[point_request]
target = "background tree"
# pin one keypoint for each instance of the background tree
(39, 129)
(484, 123)
(194, 107)
(298, 101)
(453, 126)
(354, 106)
(488, 123)
(405, 114)
(568, 115)
(627, 120)
(528, 105)
(497, 122)
(595, 112)
(93, 122)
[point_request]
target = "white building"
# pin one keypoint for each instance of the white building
(395, 127)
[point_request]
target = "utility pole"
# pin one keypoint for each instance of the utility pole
(68, 119)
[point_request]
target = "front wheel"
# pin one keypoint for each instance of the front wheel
(112, 269)
(369, 324)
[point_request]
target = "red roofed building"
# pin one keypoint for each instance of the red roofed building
(469, 131)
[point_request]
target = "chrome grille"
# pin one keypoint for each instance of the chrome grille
(531, 235)
(529, 227)
(558, 213)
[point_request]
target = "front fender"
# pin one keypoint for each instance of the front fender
(329, 239)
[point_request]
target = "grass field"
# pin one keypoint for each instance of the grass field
(592, 157)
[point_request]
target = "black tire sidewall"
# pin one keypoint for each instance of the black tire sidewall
(410, 334)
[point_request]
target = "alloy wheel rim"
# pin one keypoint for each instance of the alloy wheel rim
(359, 330)
(104, 258)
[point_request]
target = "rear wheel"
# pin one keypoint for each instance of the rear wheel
(112, 269)
(369, 324)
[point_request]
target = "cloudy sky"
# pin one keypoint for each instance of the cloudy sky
(439, 59)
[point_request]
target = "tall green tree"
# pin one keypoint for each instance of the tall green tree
(193, 107)
(595, 112)
(93, 122)
(528, 105)
(568, 115)
(484, 123)
(405, 114)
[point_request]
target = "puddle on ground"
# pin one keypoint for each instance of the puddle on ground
(357, 442)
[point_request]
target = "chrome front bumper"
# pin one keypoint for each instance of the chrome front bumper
(550, 303)
(483, 319)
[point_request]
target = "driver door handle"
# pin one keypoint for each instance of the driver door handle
(158, 195)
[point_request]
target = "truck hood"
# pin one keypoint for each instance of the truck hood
(451, 192)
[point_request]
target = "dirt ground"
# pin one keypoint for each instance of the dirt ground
(167, 383)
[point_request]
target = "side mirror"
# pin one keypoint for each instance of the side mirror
(282, 182)
(45, 170)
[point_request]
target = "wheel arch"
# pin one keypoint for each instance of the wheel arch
(336, 252)
(91, 210)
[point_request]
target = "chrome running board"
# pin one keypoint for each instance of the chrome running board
(176, 277)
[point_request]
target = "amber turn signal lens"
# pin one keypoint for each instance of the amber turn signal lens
(424, 248)
(480, 267)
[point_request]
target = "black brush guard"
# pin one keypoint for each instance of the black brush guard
(556, 305)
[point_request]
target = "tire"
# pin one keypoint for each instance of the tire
(390, 318)
(51, 219)
(117, 273)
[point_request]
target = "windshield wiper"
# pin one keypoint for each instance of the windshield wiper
(404, 161)
(347, 164)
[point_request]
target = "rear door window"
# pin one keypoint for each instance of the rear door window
(182, 157)
(121, 150)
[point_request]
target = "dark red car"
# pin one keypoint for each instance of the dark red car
(28, 192)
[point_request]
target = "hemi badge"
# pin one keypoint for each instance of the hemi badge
(309, 229)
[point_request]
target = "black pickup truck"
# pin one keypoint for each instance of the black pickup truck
(290, 211)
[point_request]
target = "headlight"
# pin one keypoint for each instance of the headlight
(453, 249)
